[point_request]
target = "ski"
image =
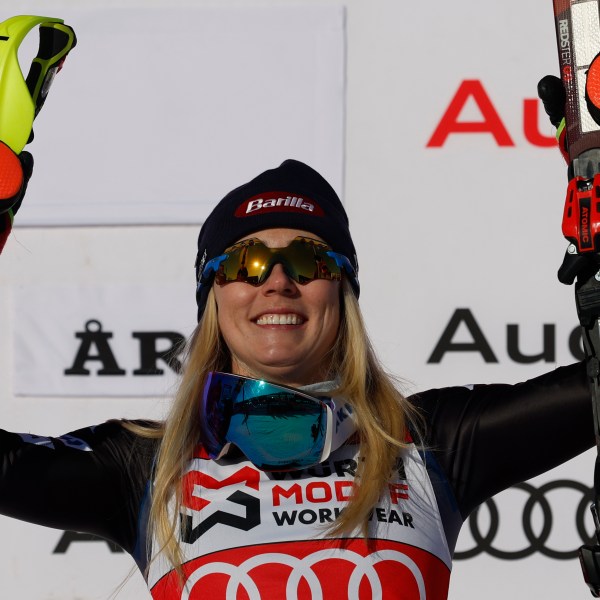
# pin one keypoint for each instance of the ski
(578, 41)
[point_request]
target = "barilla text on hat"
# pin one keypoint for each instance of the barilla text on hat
(278, 202)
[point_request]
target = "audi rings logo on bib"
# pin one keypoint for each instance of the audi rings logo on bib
(278, 202)
(303, 570)
(553, 519)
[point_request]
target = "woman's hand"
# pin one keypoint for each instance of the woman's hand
(551, 92)
(15, 172)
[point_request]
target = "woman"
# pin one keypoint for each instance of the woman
(289, 455)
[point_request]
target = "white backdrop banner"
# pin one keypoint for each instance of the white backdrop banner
(160, 112)
(115, 340)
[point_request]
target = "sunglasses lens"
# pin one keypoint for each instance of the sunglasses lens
(251, 261)
(243, 263)
(276, 428)
(309, 260)
(259, 261)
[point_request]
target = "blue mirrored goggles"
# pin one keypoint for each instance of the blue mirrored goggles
(278, 428)
(251, 261)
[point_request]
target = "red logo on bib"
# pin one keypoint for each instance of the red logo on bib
(306, 570)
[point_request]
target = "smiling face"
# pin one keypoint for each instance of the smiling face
(280, 330)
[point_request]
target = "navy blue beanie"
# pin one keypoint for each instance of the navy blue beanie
(293, 196)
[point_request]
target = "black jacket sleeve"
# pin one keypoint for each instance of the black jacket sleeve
(489, 437)
(91, 480)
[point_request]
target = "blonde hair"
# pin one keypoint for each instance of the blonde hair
(381, 410)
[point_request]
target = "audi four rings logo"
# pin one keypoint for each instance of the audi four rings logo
(240, 576)
(538, 501)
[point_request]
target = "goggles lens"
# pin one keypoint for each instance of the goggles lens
(276, 427)
(250, 261)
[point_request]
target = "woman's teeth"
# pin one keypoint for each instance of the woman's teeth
(279, 320)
